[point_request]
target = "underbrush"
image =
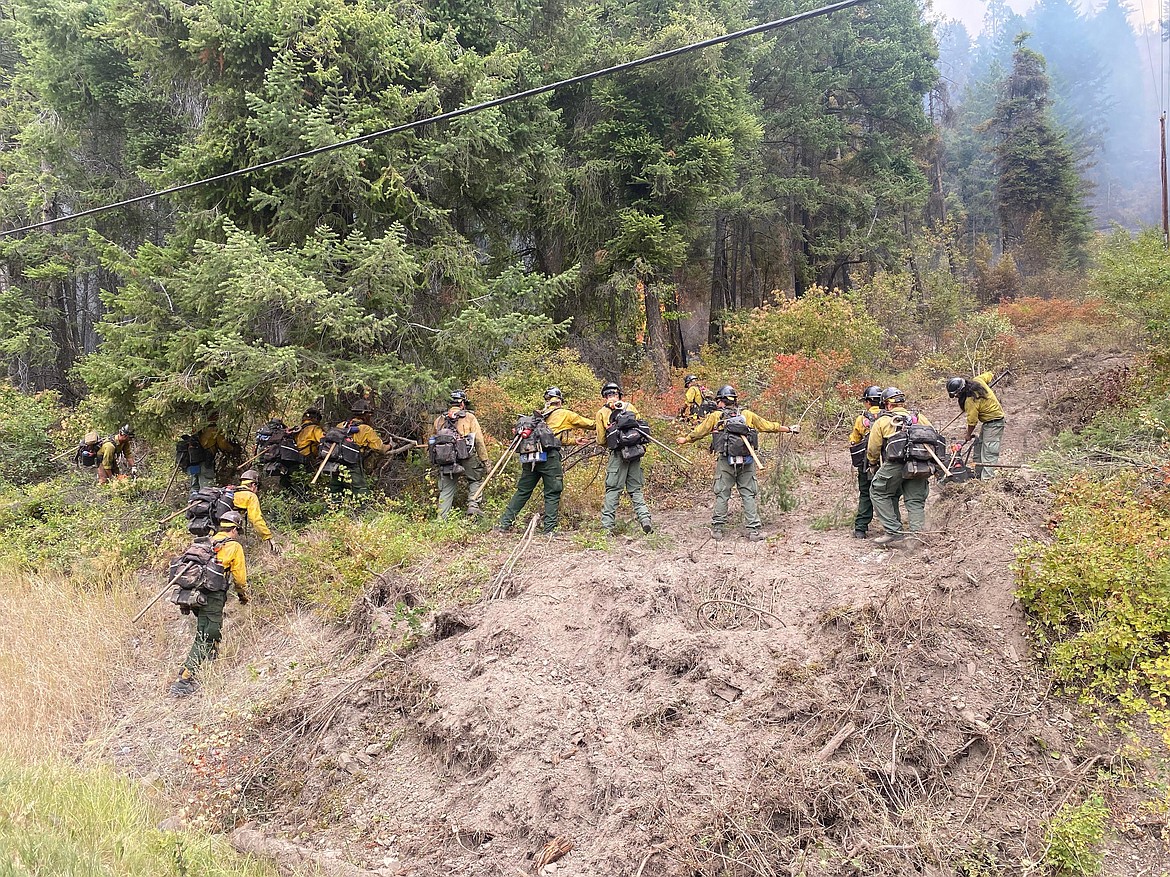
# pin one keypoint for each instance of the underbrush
(1099, 593)
(61, 820)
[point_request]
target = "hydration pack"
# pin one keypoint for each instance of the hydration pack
(627, 434)
(913, 445)
(347, 454)
(206, 506)
(268, 440)
(189, 453)
(536, 438)
(447, 448)
(732, 438)
(707, 406)
(196, 573)
(857, 449)
(89, 450)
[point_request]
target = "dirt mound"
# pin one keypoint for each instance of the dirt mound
(807, 705)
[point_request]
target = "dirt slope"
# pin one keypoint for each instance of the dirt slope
(806, 705)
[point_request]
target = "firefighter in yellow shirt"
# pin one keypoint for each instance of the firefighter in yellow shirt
(620, 474)
(694, 397)
(550, 472)
(247, 502)
(213, 442)
(733, 470)
(887, 482)
(368, 441)
(460, 418)
(858, 440)
(310, 434)
(116, 445)
(978, 401)
(226, 569)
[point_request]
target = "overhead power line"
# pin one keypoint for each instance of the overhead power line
(453, 114)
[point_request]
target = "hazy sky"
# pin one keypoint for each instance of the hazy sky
(970, 12)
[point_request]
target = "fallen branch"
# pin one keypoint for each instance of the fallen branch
(847, 731)
(498, 591)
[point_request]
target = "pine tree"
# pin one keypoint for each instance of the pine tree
(1040, 194)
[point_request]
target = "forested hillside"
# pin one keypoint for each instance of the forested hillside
(632, 213)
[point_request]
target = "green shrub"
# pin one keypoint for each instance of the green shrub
(1099, 594)
(26, 451)
(1134, 273)
(519, 383)
(1074, 838)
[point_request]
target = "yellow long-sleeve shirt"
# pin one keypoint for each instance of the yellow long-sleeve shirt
(213, 440)
(109, 452)
(309, 439)
(694, 395)
(248, 503)
(983, 410)
(861, 427)
(365, 438)
(230, 554)
(882, 429)
(562, 421)
(601, 419)
(711, 422)
(467, 424)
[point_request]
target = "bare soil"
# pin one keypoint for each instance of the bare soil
(670, 705)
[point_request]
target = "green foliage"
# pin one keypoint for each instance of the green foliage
(1099, 593)
(25, 421)
(1133, 271)
(518, 383)
(819, 321)
(60, 819)
(1074, 837)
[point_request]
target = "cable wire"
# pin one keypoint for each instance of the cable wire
(453, 114)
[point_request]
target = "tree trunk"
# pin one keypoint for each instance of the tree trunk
(656, 337)
(718, 280)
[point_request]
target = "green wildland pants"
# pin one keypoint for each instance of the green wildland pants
(887, 484)
(473, 471)
(552, 474)
(987, 447)
(208, 630)
(205, 476)
(864, 515)
(351, 478)
(621, 475)
(741, 477)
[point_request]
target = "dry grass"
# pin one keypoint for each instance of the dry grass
(59, 649)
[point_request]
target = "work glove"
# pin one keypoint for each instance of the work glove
(244, 598)
(871, 469)
(681, 440)
(273, 547)
(133, 471)
(795, 428)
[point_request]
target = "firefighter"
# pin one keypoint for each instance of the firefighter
(229, 566)
(620, 474)
(887, 483)
(858, 440)
(117, 445)
(309, 435)
(978, 401)
(366, 438)
(733, 470)
(213, 441)
(694, 397)
(464, 422)
(550, 472)
(246, 501)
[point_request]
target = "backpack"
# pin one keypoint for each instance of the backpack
(732, 437)
(707, 407)
(89, 450)
(197, 572)
(448, 449)
(857, 449)
(189, 453)
(627, 434)
(347, 453)
(536, 438)
(912, 445)
(205, 506)
(268, 440)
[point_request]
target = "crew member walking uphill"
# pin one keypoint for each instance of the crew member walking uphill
(734, 436)
(543, 464)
